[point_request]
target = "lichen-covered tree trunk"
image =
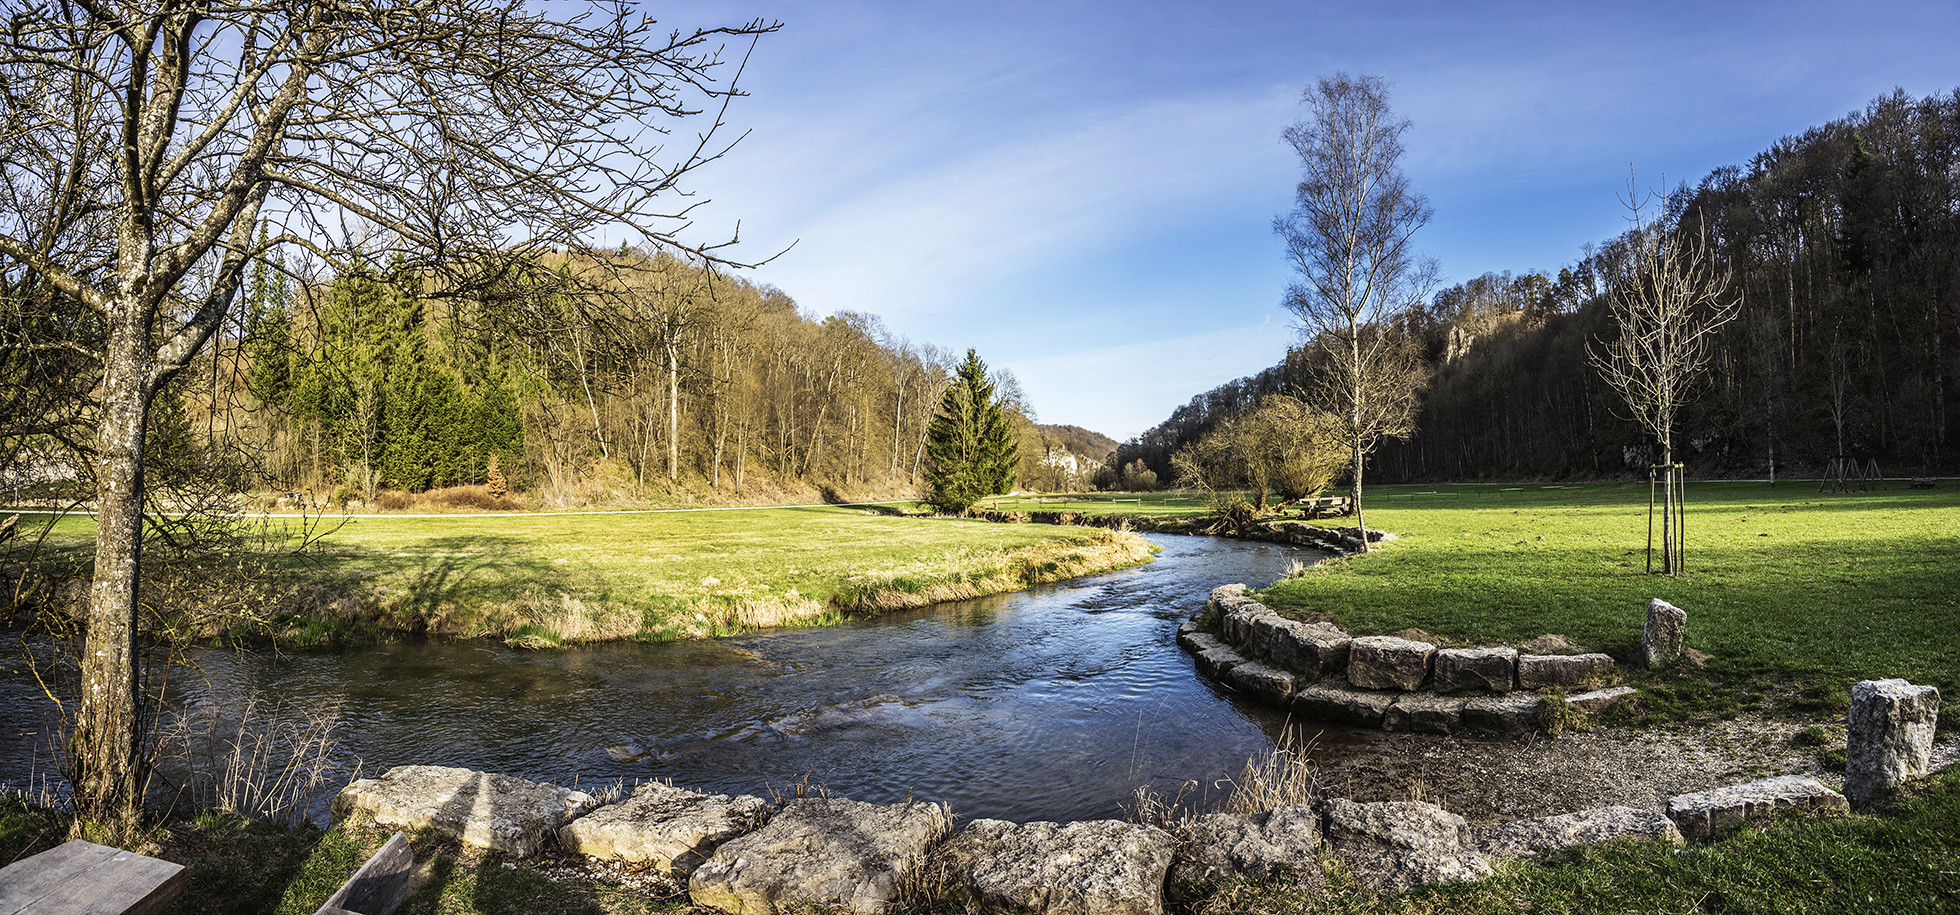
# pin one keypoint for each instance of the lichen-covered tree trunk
(104, 751)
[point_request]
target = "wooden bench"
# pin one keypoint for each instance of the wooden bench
(1921, 483)
(1324, 505)
(83, 877)
(379, 886)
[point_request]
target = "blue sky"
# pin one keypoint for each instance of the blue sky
(1084, 192)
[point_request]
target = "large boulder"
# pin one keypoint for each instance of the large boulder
(1425, 712)
(1396, 845)
(1890, 735)
(1494, 669)
(1276, 845)
(1524, 838)
(821, 851)
(1708, 814)
(501, 812)
(671, 829)
(1342, 704)
(1515, 713)
(1564, 671)
(1094, 867)
(1386, 662)
(1667, 629)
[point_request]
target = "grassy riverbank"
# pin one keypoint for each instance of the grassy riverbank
(539, 580)
(1794, 594)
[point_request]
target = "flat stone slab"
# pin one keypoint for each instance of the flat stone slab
(1494, 669)
(1708, 814)
(1342, 704)
(1262, 680)
(1386, 662)
(1512, 714)
(1198, 641)
(1397, 845)
(1281, 845)
(1093, 867)
(1427, 713)
(501, 812)
(824, 852)
(672, 829)
(1599, 700)
(1564, 671)
(1525, 838)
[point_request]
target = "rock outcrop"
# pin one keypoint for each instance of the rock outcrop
(1396, 845)
(1281, 845)
(671, 829)
(824, 852)
(1094, 867)
(501, 812)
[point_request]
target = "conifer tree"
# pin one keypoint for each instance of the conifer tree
(970, 449)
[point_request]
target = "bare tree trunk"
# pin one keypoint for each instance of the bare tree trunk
(104, 745)
(673, 410)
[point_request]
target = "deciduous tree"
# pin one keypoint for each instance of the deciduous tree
(1348, 238)
(142, 143)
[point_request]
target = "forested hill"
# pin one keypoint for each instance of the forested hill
(1083, 443)
(1843, 248)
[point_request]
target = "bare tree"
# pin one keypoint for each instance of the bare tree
(143, 142)
(1667, 303)
(1348, 239)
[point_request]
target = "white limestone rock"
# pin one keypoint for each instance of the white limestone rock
(672, 829)
(1712, 813)
(1397, 845)
(1890, 736)
(1094, 867)
(1525, 838)
(501, 812)
(824, 852)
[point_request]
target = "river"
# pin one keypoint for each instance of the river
(1055, 703)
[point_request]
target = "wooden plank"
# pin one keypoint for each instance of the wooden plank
(27, 881)
(92, 879)
(379, 886)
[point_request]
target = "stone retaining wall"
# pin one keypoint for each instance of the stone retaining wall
(1321, 673)
(747, 856)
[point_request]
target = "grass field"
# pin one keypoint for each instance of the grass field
(546, 579)
(1793, 592)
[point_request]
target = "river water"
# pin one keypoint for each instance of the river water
(1055, 703)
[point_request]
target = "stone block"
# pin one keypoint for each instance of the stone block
(1219, 661)
(1273, 846)
(1093, 867)
(1890, 736)
(1426, 713)
(1199, 641)
(1564, 671)
(501, 812)
(1237, 627)
(1311, 650)
(1397, 845)
(1599, 700)
(1709, 814)
(1525, 838)
(669, 828)
(1341, 704)
(1264, 681)
(1386, 662)
(1512, 714)
(1667, 628)
(824, 852)
(1494, 669)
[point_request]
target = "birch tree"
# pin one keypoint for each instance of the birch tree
(1348, 239)
(143, 142)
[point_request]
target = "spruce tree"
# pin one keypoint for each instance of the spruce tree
(970, 449)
